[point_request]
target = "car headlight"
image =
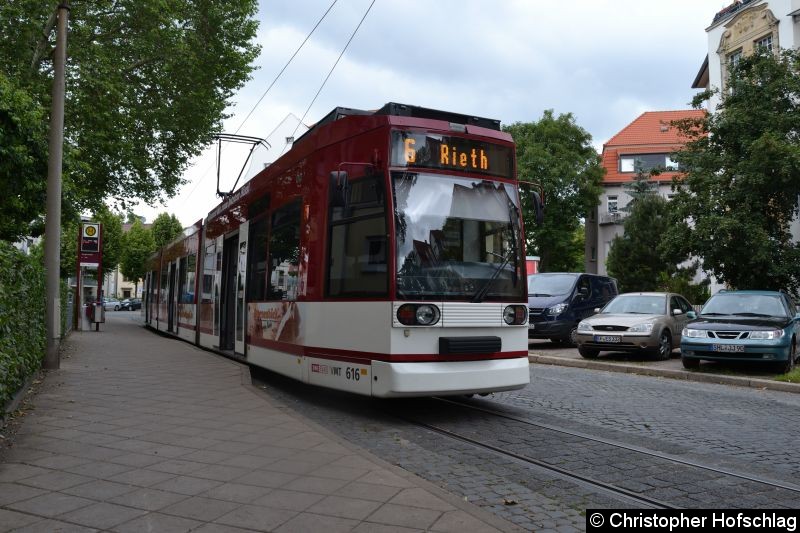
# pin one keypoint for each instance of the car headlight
(694, 333)
(557, 309)
(644, 327)
(766, 335)
(584, 326)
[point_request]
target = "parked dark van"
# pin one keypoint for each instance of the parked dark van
(557, 301)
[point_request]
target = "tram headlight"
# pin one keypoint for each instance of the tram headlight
(515, 315)
(427, 315)
(418, 314)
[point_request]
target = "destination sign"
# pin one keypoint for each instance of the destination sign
(430, 150)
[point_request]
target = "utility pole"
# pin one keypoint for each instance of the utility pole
(52, 229)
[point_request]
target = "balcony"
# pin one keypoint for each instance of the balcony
(616, 217)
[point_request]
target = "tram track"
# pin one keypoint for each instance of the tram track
(628, 447)
(573, 476)
(713, 475)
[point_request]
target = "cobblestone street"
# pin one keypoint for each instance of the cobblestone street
(741, 430)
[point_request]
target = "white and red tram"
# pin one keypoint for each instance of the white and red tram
(382, 255)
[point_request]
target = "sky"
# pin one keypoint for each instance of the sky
(604, 61)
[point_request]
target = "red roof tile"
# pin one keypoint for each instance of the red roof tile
(650, 133)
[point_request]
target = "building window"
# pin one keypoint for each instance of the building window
(670, 197)
(765, 43)
(613, 204)
(734, 58)
(670, 164)
(593, 256)
(646, 162)
(627, 164)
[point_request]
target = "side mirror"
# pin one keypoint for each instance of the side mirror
(691, 314)
(340, 186)
(538, 207)
(677, 312)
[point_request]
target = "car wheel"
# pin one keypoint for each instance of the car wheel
(788, 366)
(573, 336)
(690, 363)
(588, 353)
(116, 308)
(664, 351)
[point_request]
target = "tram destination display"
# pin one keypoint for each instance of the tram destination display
(426, 150)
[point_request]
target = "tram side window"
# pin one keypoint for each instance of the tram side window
(208, 273)
(187, 295)
(164, 281)
(257, 261)
(357, 265)
(284, 253)
(182, 280)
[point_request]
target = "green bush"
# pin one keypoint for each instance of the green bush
(22, 327)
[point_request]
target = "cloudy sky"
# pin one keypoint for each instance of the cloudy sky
(604, 61)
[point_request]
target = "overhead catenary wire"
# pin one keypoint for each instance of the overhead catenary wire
(352, 35)
(208, 169)
(287, 64)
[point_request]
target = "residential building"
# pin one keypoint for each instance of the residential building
(647, 142)
(740, 28)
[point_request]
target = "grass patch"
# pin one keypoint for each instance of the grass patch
(791, 377)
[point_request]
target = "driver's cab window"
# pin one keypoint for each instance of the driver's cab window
(357, 264)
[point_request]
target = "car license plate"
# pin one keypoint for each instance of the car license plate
(607, 338)
(731, 348)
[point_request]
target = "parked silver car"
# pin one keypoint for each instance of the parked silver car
(644, 321)
(111, 303)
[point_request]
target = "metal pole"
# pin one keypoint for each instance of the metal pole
(52, 233)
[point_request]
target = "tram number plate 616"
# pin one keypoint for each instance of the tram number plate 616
(352, 373)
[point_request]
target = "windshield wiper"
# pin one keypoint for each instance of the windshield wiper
(714, 314)
(751, 314)
(539, 294)
(485, 287)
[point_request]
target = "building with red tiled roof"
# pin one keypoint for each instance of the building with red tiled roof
(646, 143)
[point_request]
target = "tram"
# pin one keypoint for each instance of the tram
(383, 255)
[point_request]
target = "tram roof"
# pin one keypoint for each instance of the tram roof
(404, 110)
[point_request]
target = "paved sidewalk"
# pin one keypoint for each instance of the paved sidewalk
(137, 432)
(741, 375)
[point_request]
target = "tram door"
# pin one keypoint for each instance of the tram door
(227, 322)
(171, 298)
(241, 304)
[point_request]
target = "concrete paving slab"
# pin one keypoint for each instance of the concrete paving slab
(145, 433)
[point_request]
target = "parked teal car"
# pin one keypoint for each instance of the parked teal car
(743, 326)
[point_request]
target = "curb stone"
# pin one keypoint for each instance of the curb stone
(754, 383)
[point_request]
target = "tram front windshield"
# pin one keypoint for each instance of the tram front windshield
(457, 238)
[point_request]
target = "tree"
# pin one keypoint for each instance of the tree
(147, 85)
(137, 246)
(112, 237)
(634, 258)
(557, 154)
(23, 160)
(165, 228)
(739, 195)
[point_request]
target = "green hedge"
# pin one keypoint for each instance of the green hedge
(22, 327)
